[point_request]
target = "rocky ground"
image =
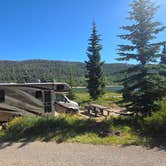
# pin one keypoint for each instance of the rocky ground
(68, 154)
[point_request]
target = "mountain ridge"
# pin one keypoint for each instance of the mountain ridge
(48, 70)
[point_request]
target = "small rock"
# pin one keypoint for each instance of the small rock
(117, 133)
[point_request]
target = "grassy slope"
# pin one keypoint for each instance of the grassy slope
(68, 129)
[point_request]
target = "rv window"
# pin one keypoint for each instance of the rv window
(38, 94)
(2, 96)
(60, 97)
(60, 87)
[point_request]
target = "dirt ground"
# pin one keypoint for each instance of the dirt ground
(68, 154)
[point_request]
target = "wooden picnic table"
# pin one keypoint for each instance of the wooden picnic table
(97, 109)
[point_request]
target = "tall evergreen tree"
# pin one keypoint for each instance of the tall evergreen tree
(71, 94)
(163, 62)
(94, 66)
(163, 57)
(143, 82)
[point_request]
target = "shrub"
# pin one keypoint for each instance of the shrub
(155, 125)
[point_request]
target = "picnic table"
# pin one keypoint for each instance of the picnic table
(98, 110)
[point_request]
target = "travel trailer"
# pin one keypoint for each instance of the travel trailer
(27, 99)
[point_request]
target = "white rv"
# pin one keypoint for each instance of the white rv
(21, 99)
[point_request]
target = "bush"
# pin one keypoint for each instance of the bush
(155, 125)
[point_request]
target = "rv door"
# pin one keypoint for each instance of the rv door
(47, 101)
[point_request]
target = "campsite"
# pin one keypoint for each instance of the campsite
(83, 82)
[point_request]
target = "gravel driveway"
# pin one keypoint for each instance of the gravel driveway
(66, 154)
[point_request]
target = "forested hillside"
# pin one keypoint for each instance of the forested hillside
(45, 70)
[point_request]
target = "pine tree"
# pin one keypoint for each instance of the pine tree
(163, 57)
(23, 76)
(143, 82)
(94, 66)
(71, 94)
(163, 62)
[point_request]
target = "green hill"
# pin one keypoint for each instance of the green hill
(49, 70)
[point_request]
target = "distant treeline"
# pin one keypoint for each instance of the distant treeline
(47, 70)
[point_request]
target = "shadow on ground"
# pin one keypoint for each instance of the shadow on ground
(61, 129)
(64, 128)
(149, 136)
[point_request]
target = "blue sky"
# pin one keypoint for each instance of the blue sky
(59, 29)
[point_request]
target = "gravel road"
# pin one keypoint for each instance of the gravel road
(67, 154)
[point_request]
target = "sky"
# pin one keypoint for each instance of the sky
(59, 29)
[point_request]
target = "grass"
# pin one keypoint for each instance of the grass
(92, 138)
(69, 129)
(108, 99)
(149, 131)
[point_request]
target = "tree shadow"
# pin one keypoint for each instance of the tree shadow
(148, 138)
(55, 129)
(62, 129)
(5, 144)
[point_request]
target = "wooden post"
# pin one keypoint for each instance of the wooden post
(102, 111)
